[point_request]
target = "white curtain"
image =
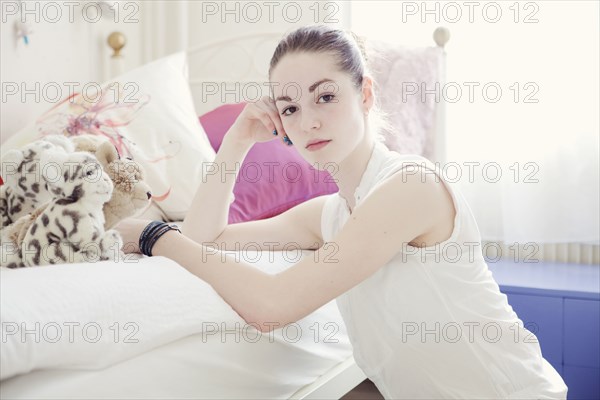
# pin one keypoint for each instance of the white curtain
(541, 132)
(165, 25)
(550, 198)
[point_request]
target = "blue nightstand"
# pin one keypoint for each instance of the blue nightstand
(560, 304)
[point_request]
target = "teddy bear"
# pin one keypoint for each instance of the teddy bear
(70, 228)
(22, 190)
(130, 193)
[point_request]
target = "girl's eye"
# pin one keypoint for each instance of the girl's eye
(329, 96)
(284, 111)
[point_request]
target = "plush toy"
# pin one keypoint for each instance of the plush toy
(23, 191)
(12, 238)
(70, 229)
(130, 194)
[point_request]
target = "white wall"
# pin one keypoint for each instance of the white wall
(63, 48)
(72, 48)
(538, 132)
(208, 20)
(554, 45)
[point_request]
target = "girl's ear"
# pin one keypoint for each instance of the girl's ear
(368, 93)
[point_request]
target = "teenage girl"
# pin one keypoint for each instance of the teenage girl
(397, 246)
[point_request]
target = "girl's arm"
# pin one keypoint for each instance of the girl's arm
(209, 212)
(400, 209)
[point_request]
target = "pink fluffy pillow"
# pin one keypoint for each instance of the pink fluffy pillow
(273, 177)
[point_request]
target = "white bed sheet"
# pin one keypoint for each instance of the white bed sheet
(206, 365)
(190, 368)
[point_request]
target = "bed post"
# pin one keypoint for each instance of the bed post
(441, 36)
(116, 41)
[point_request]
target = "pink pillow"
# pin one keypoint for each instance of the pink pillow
(258, 194)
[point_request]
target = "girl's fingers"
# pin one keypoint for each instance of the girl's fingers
(270, 108)
(266, 120)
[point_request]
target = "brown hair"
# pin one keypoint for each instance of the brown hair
(349, 51)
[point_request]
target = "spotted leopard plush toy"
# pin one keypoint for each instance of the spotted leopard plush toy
(70, 229)
(130, 195)
(23, 191)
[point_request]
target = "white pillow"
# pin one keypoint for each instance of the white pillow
(107, 312)
(149, 114)
(92, 315)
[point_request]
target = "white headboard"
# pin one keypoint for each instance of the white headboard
(231, 70)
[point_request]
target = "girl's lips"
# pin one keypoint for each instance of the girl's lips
(317, 146)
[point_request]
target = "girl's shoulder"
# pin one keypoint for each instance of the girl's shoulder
(412, 164)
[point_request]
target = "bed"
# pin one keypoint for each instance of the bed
(295, 364)
(187, 362)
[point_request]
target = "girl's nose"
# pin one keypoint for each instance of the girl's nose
(310, 122)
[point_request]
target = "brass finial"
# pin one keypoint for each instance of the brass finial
(116, 41)
(441, 36)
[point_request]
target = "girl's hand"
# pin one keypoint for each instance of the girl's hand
(130, 230)
(256, 123)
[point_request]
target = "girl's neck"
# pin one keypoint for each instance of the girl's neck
(352, 170)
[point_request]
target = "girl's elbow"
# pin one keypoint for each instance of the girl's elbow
(273, 310)
(265, 324)
(263, 317)
(270, 318)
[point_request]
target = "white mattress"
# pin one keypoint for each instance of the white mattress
(272, 365)
(190, 368)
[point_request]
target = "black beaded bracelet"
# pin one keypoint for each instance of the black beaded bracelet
(151, 233)
(144, 235)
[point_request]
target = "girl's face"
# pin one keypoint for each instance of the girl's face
(315, 101)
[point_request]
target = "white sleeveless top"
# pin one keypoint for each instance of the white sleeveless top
(432, 323)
